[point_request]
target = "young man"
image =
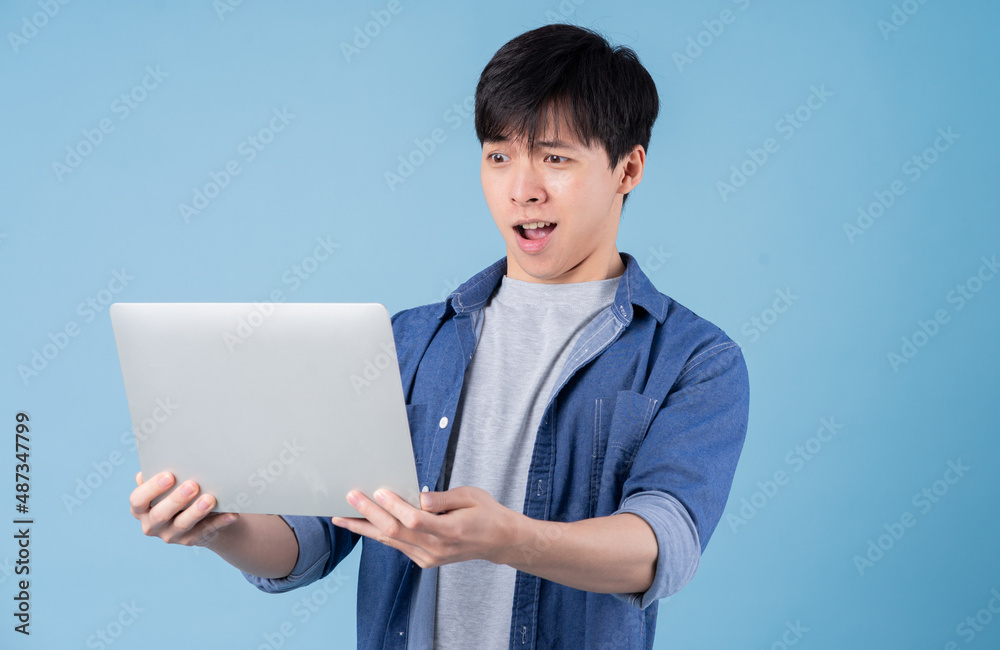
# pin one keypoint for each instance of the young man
(575, 430)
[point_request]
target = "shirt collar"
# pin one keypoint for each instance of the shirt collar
(633, 289)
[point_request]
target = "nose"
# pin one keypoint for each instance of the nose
(527, 187)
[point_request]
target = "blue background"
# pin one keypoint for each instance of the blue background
(790, 558)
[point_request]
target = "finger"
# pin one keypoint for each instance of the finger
(399, 509)
(380, 518)
(368, 509)
(149, 490)
(356, 525)
(138, 478)
(455, 499)
(173, 503)
(386, 526)
(365, 528)
(189, 517)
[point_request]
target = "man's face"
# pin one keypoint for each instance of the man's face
(564, 184)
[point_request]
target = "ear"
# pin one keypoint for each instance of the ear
(629, 171)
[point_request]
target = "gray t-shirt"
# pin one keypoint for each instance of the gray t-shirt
(529, 330)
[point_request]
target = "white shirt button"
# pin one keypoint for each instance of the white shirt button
(443, 423)
(426, 489)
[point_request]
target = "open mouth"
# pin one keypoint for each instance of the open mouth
(535, 230)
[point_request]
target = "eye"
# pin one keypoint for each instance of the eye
(497, 158)
(556, 159)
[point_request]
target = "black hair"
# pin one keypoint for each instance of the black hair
(608, 95)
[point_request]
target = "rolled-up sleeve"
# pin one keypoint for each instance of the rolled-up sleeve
(678, 548)
(321, 547)
(694, 441)
(682, 472)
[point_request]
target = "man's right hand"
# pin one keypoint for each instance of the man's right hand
(177, 519)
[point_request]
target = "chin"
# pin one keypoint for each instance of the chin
(539, 270)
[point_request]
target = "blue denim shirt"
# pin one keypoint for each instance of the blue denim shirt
(653, 401)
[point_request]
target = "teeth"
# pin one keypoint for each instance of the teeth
(537, 224)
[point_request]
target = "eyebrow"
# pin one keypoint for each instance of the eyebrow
(555, 144)
(545, 144)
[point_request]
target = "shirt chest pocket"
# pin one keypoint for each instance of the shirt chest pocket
(620, 425)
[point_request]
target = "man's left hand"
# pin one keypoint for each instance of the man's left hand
(464, 523)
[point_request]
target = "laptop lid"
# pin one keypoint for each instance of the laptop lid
(276, 408)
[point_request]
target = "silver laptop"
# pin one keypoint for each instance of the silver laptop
(277, 408)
